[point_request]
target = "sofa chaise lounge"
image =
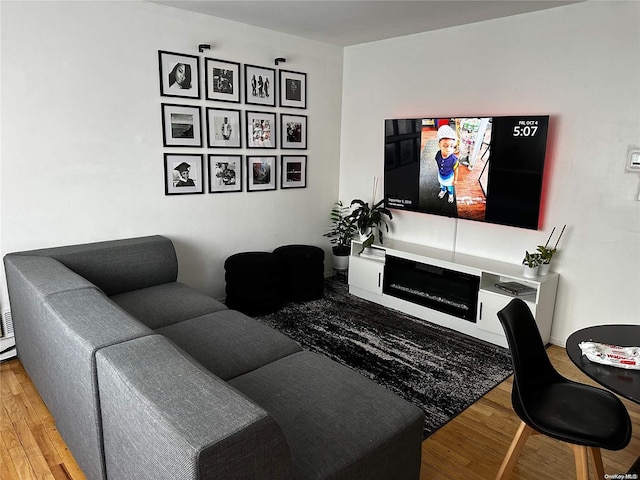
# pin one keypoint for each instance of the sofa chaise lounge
(149, 379)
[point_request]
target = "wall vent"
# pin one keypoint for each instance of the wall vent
(7, 324)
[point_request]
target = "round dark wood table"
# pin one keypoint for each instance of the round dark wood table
(624, 382)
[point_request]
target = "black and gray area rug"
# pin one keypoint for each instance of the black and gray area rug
(438, 369)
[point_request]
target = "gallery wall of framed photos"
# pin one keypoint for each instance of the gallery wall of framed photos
(241, 129)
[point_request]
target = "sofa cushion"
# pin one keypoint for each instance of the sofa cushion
(119, 265)
(338, 423)
(229, 343)
(166, 418)
(166, 304)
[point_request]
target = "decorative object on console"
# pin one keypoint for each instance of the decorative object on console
(340, 233)
(546, 253)
(531, 263)
(370, 220)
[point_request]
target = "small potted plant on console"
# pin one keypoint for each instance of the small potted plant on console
(531, 263)
(547, 253)
(370, 220)
(340, 233)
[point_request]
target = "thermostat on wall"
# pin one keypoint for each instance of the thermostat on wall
(633, 160)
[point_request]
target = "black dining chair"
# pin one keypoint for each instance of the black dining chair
(586, 417)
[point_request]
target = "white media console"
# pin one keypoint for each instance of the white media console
(450, 289)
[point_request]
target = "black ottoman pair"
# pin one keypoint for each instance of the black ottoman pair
(260, 282)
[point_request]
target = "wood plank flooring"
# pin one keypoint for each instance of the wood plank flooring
(469, 447)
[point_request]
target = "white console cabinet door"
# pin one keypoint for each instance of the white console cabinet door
(366, 274)
(489, 304)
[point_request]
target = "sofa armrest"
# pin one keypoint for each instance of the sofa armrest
(166, 417)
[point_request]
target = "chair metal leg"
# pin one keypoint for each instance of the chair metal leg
(597, 460)
(510, 459)
(582, 462)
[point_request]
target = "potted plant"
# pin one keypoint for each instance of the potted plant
(370, 220)
(547, 253)
(531, 263)
(340, 233)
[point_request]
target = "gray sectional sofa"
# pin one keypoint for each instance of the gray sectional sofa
(149, 379)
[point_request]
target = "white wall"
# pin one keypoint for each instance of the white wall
(82, 154)
(581, 65)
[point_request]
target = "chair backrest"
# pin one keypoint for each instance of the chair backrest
(531, 365)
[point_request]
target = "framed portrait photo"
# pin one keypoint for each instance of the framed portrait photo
(293, 89)
(223, 128)
(183, 173)
(260, 85)
(293, 171)
(225, 173)
(222, 79)
(179, 75)
(181, 126)
(261, 173)
(294, 131)
(261, 129)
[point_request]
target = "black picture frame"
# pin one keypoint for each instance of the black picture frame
(225, 173)
(174, 165)
(261, 172)
(293, 171)
(294, 131)
(181, 125)
(261, 129)
(293, 89)
(179, 74)
(223, 80)
(260, 85)
(224, 128)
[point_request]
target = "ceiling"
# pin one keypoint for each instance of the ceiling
(348, 22)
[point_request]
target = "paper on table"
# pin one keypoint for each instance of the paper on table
(613, 355)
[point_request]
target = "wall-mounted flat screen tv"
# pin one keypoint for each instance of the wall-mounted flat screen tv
(487, 169)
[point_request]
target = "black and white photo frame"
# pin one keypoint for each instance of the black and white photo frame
(294, 131)
(293, 89)
(183, 173)
(224, 129)
(222, 80)
(260, 85)
(261, 173)
(293, 171)
(181, 126)
(261, 129)
(225, 173)
(179, 75)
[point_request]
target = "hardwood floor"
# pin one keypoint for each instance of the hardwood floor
(469, 447)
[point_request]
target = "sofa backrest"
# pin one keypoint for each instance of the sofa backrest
(166, 417)
(60, 321)
(118, 266)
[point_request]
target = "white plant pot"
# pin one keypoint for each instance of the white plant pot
(530, 272)
(544, 269)
(340, 262)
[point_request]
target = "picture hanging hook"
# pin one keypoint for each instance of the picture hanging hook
(204, 46)
(280, 60)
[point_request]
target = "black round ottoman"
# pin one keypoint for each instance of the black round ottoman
(254, 282)
(303, 271)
